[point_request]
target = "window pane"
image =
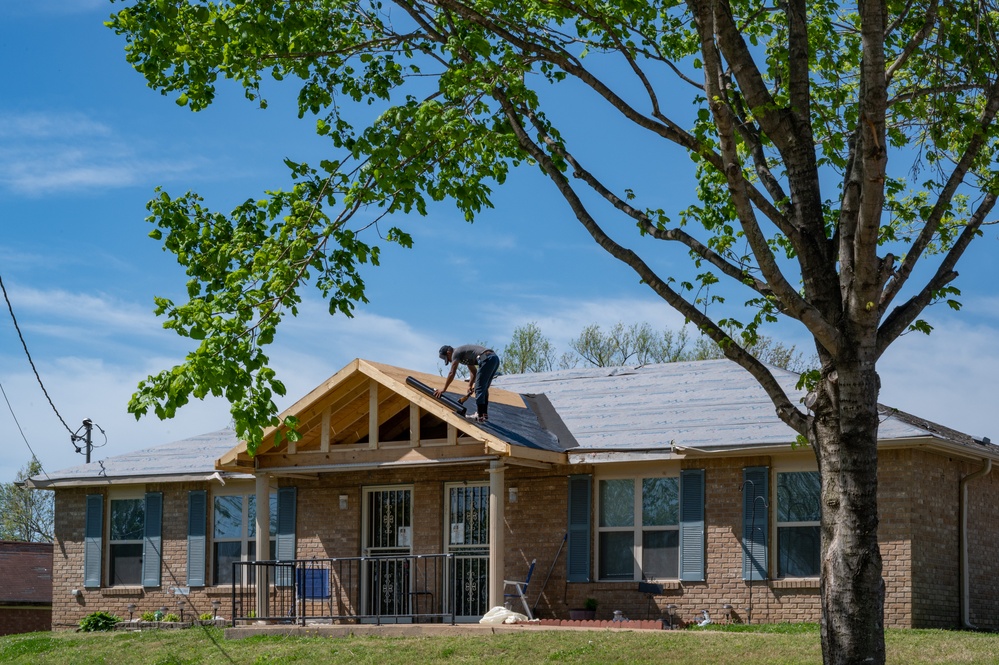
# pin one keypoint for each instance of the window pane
(660, 501)
(617, 502)
(127, 519)
(798, 496)
(228, 516)
(225, 554)
(617, 558)
(126, 564)
(251, 515)
(660, 554)
(800, 548)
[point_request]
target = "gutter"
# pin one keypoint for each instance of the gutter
(965, 573)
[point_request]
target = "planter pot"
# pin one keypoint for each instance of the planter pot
(582, 615)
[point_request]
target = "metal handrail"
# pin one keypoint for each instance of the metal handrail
(394, 588)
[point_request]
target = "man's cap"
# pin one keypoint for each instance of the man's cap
(444, 351)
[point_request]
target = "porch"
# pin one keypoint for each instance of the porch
(427, 588)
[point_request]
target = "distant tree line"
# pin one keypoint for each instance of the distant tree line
(530, 350)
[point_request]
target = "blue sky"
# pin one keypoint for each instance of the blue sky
(83, 142)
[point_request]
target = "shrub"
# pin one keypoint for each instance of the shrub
(171, 617)
(206, 616)
(98, 622)
(148, 616)
(590, 604)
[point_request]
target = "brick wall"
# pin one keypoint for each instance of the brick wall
(27, 619)
(918, 504)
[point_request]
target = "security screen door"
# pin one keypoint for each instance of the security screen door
(388, 527)
(466, 535)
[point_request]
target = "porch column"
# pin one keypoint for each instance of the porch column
(263, 541)
(497, 564)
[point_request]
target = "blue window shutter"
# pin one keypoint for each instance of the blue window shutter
(152, 540)
(197, 506)
(93, 531)
(755, 522)
(285, 546)
(578, 556)
(692, 525)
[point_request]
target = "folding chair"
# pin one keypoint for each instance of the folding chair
(521, 590)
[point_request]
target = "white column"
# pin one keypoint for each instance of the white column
(497, 522)
(263, 541)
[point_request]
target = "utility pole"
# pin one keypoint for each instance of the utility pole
(88, 443)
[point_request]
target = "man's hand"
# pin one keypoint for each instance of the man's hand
(438, 393)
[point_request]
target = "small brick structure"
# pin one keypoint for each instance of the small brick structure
(26, 590)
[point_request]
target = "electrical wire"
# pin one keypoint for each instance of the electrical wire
(32, 362)
(33, 455)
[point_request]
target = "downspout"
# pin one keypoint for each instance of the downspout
(965, 573)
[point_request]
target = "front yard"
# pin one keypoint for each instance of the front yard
(759, 645)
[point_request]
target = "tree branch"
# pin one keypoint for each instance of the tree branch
(902, 316)
(971, 153)
(786, 411)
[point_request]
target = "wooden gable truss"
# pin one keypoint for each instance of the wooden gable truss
(366, 415)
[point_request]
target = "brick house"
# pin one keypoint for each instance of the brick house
(660, 491)
(26, 587)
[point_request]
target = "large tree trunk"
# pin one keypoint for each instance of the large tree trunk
(844, 433)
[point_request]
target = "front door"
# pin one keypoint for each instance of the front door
(388, 527)
(466, 535)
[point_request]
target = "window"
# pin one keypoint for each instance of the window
(128, 519)
(235, 532)
(638, 529)
(798, 537)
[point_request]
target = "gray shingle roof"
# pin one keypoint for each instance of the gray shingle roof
(710, 404)
(189, 457)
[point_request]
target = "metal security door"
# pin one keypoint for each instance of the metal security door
(466, 536)
(388, 533)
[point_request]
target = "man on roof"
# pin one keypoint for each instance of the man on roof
(482, 365)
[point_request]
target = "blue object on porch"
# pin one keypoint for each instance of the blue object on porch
(521, 589)
(313, 583)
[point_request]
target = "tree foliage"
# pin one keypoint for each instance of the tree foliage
(844, 159)
(26, 515)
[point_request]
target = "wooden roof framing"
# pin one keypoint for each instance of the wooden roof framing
(366, 414)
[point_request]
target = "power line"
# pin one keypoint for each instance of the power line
(21, 430)
(32, 362)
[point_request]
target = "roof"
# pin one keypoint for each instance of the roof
(590, 414)
(708, 405)
(188, 459)
(514, 430)
(27, 573)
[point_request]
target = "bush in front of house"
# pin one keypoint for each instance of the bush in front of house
(171, 618)
(149, 616)
(96, 622)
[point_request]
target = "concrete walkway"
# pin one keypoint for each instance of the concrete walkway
(397, 629)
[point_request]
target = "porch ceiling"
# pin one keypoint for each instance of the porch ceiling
(367, 414)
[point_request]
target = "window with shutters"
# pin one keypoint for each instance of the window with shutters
(126, 525)
(799, 543)
(638, 528)
(234, 533)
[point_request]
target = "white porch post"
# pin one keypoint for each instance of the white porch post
(497, 521)
(263, 541)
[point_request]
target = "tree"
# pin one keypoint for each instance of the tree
(791, 113)
(636, 343)
(26, 515)
(528, 351)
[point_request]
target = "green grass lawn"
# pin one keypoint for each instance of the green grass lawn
(797, 644)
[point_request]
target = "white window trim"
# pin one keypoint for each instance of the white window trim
(244, 491)
(799, 467)
(637, 528)
(124, 493)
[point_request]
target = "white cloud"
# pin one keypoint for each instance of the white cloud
(42, 153)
